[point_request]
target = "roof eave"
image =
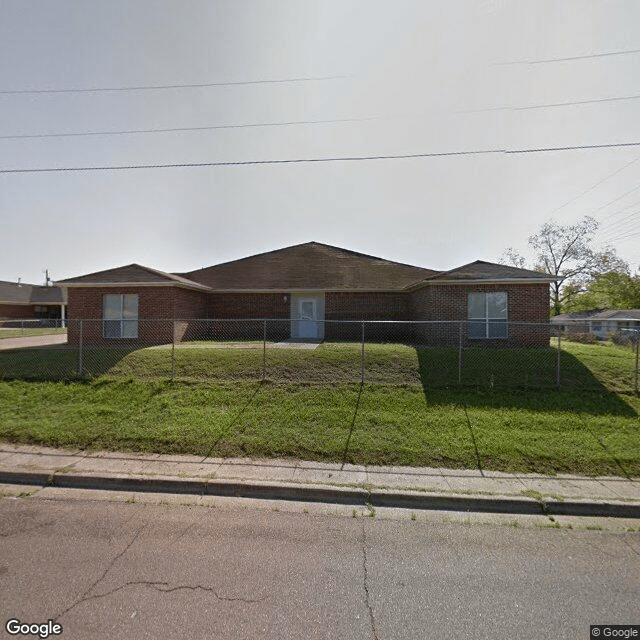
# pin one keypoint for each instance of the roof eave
(426, 283)
(168, 283)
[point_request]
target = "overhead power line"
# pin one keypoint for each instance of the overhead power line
(597, 184)
(624, 236)
(619, 211)
(571, 58)
(626, 193)
(621, 225)
(183, 129)
(404, 156)
(171, 86)
(551, 105)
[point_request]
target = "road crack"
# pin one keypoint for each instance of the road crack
(86, 595)
(165, 587)
(365, 583)
(630, 547)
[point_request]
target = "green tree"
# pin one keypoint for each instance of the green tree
(612, 290)
(566, 252)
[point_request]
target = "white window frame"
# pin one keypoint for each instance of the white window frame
(118, 322)
(485, 319)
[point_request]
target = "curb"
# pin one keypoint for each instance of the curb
(328, 494)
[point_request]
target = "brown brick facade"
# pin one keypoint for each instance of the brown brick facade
(527, 303)
(157, 308)
(169, 313)
(248, 305)
(366, 306)
(17, 312)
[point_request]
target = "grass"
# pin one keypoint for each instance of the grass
(506, 415)
(36, 331)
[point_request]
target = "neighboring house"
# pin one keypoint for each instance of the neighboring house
(312, 286)
(601, 323)
(21, 301)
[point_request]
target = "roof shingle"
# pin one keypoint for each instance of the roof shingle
(23, 293)
(311, 265)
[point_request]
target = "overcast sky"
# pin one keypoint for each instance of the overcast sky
(393, 77)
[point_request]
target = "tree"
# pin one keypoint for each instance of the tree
(566, 253)
(612, 290)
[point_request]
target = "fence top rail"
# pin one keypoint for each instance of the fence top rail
(595, 321)
(358, 322)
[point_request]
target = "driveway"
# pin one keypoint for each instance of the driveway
(33, 341)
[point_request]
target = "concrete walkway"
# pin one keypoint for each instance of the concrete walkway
(33, 341)
(403, 487)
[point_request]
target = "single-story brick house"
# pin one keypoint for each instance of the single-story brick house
(309, 287)
(22, 301)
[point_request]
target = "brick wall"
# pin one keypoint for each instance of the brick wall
(225, 306)
(527, 303)
(249, 305)
(157, 307)
(17, 311)
(366, 306)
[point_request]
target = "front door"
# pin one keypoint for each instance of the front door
(308, 325)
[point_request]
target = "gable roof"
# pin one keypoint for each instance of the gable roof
(309, 266)
(481, 271)
(23, 293)
(131, 274)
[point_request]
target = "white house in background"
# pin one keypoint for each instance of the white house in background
(601, 323)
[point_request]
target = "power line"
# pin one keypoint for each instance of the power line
(404, 156)
(182, 129)
(619, 211)
(554, 104)
(619, 225)
(626, 193)
(625, 236)
(170, 86)
(585, 57)
(597, 184)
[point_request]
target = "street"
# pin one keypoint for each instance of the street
(119, 569)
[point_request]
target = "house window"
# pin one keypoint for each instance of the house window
(487, 314)
(120, 315)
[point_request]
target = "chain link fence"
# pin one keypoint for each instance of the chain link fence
(26, 327)
(465, 354)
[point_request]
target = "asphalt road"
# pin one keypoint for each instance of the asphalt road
(133, 571)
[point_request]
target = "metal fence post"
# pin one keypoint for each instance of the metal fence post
(80, 350)
(460, 353)
(637, 352)
(558, 361)
(173, 351)
(362, 357)
(264, 349)
(21, 327)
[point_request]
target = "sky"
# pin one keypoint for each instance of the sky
(483, 82)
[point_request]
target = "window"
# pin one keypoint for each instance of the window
(120, 315)
(487, 314)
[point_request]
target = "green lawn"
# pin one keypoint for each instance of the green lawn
(506, 414)
(30, 331)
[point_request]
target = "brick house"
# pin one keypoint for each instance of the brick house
(22, 301)
(309, 288)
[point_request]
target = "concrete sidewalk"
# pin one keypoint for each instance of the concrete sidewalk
(403, 487)
(22, 342)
